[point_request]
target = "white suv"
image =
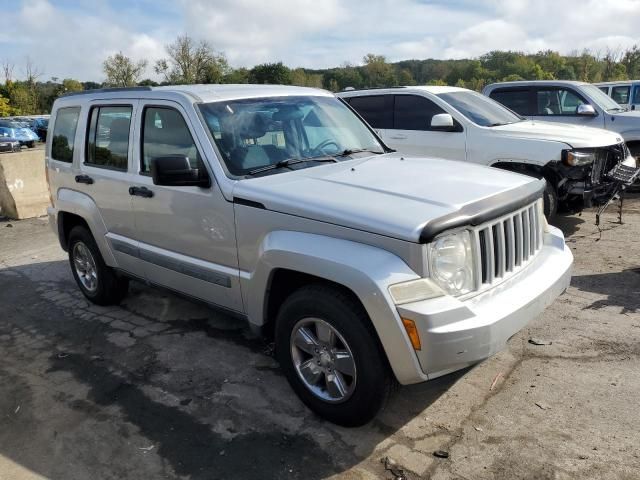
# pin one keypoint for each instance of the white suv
(460, 124)
(280, 206)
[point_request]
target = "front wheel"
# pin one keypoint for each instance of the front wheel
(331, 356)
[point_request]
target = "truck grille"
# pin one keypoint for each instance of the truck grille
(606, 159)
(507, 244)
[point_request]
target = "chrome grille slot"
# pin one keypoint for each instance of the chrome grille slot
(507, 244)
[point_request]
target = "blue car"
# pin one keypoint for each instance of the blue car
(25, 136)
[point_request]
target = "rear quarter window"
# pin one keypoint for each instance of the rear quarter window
(64, 133)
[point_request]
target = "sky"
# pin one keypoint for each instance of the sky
(71, 39)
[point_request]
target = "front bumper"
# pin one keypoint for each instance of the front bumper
(456, 334)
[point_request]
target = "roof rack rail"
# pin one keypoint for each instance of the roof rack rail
(107, 90)
(351, 89)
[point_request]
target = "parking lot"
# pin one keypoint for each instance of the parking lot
(162, 387)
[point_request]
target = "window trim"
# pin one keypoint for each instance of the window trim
(75, 133)
(534, 98)
(629, 93)
(143, 112)
(87, 130)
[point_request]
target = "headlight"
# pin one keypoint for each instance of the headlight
(576, 158)
(451, 263)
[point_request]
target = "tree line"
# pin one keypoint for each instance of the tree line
(192, 61)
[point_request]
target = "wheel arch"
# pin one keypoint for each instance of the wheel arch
(290, 260)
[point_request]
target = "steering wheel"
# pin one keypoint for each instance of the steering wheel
(325, 143)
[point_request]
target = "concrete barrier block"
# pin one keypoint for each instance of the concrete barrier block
(23, 186)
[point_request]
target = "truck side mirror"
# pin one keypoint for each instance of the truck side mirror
(586, 110)
(442, 122)
(176, 171)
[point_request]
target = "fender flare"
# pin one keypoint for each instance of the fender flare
(365, 270)
(82, 205)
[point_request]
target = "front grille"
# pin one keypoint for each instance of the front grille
(507, 244)
(606, 160)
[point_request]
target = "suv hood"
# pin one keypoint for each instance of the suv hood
(399, 197)
(576, 136)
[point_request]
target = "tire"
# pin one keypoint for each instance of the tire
(550, 201)
(31, 145)
(99, 283)
(366, 391)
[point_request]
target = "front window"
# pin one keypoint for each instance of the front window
(253, 134)
(621, 94)
(601, 99)
(479, 109)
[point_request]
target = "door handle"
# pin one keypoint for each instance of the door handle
(84, 179)
(398, 137)
(140, 192)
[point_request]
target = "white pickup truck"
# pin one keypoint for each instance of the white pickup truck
(460, 124)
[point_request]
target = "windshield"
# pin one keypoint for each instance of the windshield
(258, 132)
(479, 109)
(601, 99)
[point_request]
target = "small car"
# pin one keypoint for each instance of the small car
(25, 136)
(8, 144)
(460, 124)
(280, 206)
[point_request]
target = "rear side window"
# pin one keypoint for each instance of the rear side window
(165, 133)
(557, 102)
(375, 109)
(516, 100)
(621, 94)
(64, 133)
(604, 89)
(108, 137)
(411, 112)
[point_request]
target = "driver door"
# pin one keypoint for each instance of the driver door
(186, 235)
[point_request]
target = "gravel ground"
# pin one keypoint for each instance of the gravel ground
(162, 387)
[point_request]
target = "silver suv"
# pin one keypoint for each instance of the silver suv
(281, 206)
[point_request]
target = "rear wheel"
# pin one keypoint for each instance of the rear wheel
(331, 356)
(31, 145)
(97, 281)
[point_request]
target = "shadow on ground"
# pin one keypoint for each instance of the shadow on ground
(193, 385)
(622, 289)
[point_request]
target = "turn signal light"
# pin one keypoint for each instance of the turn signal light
(412, 331)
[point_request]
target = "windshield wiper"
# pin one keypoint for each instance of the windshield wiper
(351, 151)
(290, 161)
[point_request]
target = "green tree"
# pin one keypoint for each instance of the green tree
(190, 61)
(271, 73)
(378, 73)
(121, 71)
(237, 75)
(71, 85)
(5, 108)
(405, 77)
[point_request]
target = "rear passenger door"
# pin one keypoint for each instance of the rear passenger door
(186, 235)
(412, 133)
(105, 173)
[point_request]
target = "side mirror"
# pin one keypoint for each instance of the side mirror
(176, 171)
(442, 122)
(586, 110)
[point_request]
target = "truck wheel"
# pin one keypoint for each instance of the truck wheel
(550, 201)
(331, 356)
(98, 282)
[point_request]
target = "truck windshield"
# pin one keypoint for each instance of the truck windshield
(601, 99)
(278, 132)
(479, 109)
